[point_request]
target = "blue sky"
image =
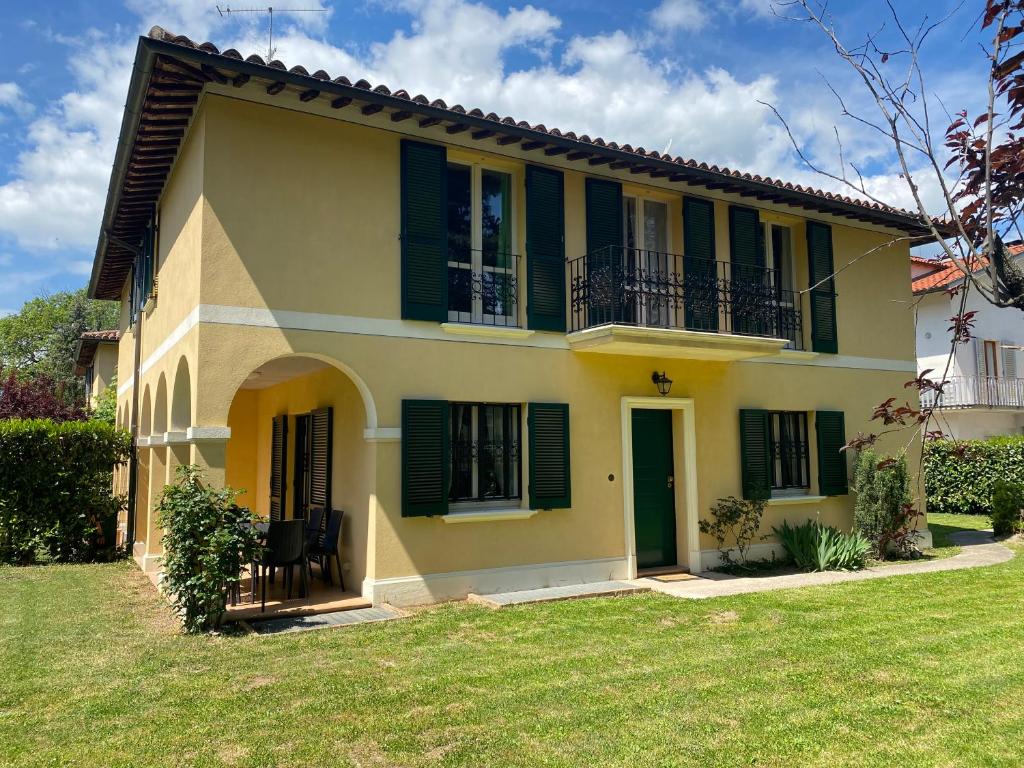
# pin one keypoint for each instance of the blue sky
(685, 75)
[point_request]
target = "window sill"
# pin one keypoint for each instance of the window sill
(488, 515)
(149, 305)
(777, 501)
(491, 331)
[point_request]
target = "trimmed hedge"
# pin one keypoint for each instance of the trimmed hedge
(959, 477)
(56, 489)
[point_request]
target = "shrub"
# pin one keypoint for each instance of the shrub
(55, 489)
(37, 396)
(817, 547)
(206, 543)
(883, 511)
(959, 477)
(1007, 508)
(734, 520)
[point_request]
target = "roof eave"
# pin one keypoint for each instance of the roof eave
(141, 71)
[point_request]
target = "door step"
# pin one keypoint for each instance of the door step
(553, 594)
(665, 570)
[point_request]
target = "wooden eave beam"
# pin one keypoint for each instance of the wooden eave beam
(240, 79)
(429, 122)
(504, 141)
(554, 151)
(159, 100)
(371, 109)
(341, 101)
(530, 145)
(308, 95)
(618, 165)
(578, 155)
(275, 88)
(398, 117)
(599, 160)
(214, 74)
(482, 134)
(457, 128)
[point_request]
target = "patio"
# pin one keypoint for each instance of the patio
(322, 598)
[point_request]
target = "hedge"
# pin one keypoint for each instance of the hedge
(56, 489)
(959, 476)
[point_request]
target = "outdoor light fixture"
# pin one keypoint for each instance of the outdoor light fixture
(662, 382)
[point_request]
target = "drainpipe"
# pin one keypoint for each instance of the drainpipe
(133, 455)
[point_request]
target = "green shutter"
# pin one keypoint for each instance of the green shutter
(830, 427)
(746, 256)
(545, 249)
(604, 254)
(321, 424)
(700, 277)
(755, 454)
(820, 269)
(424, 232)
(426, 461)
(550, 482)
(278, 465)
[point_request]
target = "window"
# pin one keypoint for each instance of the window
(485, 441)
(779, 257)
(991, 359)
(648, 263)
(481, 267)
(790, 457)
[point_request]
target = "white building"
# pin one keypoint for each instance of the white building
(984, 391)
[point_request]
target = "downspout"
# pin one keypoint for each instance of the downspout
(133, 455)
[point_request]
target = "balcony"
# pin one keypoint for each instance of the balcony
(629, 301)
(977, 392)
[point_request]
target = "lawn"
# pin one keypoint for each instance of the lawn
(910, 671)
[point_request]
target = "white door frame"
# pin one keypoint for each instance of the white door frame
(689, 446)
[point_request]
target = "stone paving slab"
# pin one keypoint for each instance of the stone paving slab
(979, 549)
(551, 594)
(324, 620)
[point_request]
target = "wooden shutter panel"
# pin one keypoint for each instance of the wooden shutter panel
(321, 427)
(550, 481)
(545, 249)
(824, 337)
(1009, 361)
(424, 231)
(755, 454)
(604, 255)
(746, 254)
(830, 427)
(700, 278)
(278, 466)
(426, 457)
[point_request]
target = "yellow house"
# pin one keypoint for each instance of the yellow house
(514, 356)
(96, 355)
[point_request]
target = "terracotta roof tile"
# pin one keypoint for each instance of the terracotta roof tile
(158, 33)
(113, 335)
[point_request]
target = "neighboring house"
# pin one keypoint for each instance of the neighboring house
(984, 390)
(96, 362)
(453, 326)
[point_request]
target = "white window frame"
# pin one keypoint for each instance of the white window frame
(476, 265)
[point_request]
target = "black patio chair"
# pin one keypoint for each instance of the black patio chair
(285, 548)
(326, 547)
(314, 525)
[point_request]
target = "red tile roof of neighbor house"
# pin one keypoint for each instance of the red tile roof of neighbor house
(171, 72)
(945, 272)
(85, 347)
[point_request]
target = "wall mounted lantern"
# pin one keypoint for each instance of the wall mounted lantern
(662, 382)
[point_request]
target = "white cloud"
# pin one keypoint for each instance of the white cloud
(11, 97)
(679, 14)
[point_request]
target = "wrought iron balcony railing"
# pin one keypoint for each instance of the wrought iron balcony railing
(976, 392)
(632, 286)
(483, 287)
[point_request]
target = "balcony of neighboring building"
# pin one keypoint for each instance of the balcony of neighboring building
(640, 302)
(989, 392)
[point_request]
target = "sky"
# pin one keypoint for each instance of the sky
(683, 76)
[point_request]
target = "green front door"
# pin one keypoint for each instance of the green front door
(654, 506)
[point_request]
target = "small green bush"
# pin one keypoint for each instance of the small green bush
(1007, 508)
(206, 543)
(816, 547)
(883, 511)
(736, 521)
(56, 481)
(959, 477)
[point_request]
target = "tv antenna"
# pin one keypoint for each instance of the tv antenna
(269, 11)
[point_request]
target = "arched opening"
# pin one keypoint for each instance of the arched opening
(146, 414)
(160, 407)
(297, 445)
(181, 401)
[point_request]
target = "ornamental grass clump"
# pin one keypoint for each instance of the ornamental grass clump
(207, 540)
(816, 547)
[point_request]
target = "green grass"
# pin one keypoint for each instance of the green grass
(942, 525)
(910, 671)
